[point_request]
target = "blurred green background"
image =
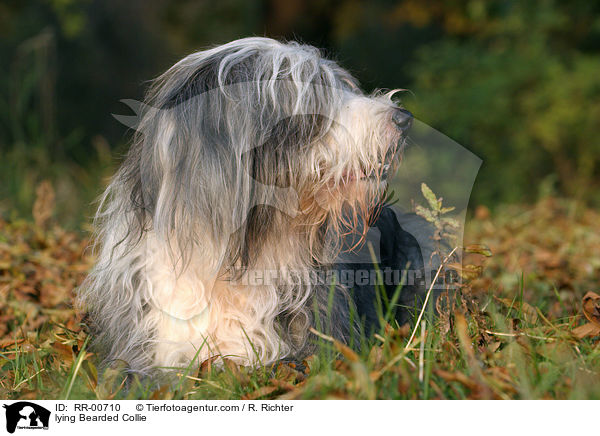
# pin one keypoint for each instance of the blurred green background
(516, 82)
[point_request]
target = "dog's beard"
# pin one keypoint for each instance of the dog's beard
(366, 186)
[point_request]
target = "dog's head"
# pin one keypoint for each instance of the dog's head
(251, 138)
(355, 158)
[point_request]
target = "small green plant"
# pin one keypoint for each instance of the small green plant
(445, 226)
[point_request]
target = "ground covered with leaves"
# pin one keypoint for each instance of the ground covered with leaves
(524, 325)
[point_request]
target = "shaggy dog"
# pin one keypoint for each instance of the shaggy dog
(255, 164)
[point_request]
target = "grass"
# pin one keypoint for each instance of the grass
(506, 333)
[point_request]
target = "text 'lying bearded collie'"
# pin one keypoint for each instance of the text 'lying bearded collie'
(255, 164)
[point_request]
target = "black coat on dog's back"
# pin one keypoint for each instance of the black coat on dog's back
(403, 248)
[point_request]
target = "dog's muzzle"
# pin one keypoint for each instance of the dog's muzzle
(403, 120)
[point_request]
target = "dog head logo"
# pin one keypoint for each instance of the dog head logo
(27, 415)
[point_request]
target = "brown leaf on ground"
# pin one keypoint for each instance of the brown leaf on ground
(591, 311)
(206, 366)
(591, 307)
(467, 272)
(478, 249)
(235, 371)
(586, 330)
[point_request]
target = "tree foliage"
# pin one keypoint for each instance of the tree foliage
(515, 82)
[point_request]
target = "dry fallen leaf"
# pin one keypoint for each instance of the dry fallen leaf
(484, 250)
(586, 330)
(591, 307)
(206, 366)
(467, 272)
(234, 369)
(591, 310)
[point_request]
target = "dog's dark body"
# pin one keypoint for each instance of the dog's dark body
(404, 253)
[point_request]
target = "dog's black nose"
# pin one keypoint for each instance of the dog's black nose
(402, 119)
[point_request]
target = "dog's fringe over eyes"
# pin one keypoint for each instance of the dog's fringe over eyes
(255, 155)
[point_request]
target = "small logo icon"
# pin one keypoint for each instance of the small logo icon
(26, 415)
